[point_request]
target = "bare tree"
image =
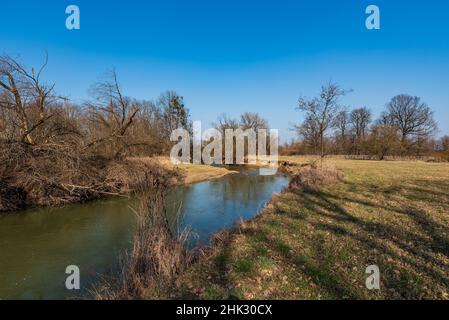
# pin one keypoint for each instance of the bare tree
(321, 111)
(385, 119)
(359, 119)
(175, 113)
(111, 112)
(309, 131)
(251, 120)
(384, 140)
(412, 116)
(26, 97)
(225, 122)
(341, 125)
(443, 144)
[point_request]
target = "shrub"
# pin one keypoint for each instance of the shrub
(159, 254)
(310, 178)
(49, 175)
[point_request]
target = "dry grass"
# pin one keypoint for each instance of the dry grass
(311, 178)
(317, 245)
(158, 255)
(192, 173)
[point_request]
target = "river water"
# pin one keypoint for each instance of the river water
(37, 245)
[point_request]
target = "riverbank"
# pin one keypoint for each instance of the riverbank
(194, 173)
(317, 245)
(95, 235)
(119, 178)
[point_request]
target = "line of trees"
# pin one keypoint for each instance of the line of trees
(406, 128)
(54, 152)
(110, 124)
(247, 121)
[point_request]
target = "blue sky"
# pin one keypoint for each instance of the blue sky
(234, 56)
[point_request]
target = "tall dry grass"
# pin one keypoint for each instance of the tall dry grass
(159, 254)
(311, 177)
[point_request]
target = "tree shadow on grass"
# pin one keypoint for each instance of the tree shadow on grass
(421, 250)
(413, 258)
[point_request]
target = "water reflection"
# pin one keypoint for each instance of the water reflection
(37, 245)
(215, 205)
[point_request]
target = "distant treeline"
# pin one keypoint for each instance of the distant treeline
(406, 128)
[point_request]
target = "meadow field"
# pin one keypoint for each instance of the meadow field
(318, 244)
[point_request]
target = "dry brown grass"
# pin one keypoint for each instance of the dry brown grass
(192, 173)
(159, 254)
(311, 178)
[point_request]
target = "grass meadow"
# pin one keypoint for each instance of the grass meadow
(318, 244)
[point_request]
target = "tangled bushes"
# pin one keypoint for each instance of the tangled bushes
(310, 177)
(49, 175)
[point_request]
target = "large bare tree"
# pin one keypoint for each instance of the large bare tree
(341, 124)
(175, 113)
(26, 97)
(252, 120)
(443, 143)
(412, 117)
(359, 119)
(321, 111)
(111, 112)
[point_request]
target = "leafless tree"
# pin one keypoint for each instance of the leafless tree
(321, 111)
(25, 97)
(309, 131)
(111, 112)
(359, 119)
(175, 113)
(225, 122)
(443, 144)
(251, 120)
(341, 125)
(384, 140)
(412, 116)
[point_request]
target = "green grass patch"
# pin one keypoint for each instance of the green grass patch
(243, 265)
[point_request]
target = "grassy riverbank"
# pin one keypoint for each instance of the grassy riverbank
(317, 245)
(193, 173)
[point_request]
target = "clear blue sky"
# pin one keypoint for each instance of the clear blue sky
(233, 56)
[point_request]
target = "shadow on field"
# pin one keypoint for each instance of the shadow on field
(412, 250)
(327, 238)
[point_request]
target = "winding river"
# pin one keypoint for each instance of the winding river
(37, 245)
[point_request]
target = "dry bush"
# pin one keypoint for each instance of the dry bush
(125, 176)
(442, 156)
(11, 198)
(159, 254)
(310, 178)
(51, 174)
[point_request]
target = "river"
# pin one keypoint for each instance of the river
(37, 245)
